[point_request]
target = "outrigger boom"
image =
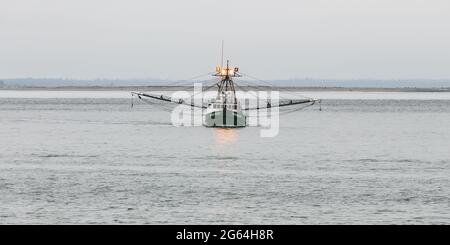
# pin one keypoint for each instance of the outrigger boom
(165, 98)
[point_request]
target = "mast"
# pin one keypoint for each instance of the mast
(226, 83)
(221, 59)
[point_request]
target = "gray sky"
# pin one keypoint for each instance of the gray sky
(178, 39)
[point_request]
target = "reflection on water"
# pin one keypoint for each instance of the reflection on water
(225, 136)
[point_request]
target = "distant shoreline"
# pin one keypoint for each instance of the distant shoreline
(190, 88)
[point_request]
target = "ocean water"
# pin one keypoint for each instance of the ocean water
(88, 158)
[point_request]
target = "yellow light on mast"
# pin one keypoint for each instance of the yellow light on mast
(229, 72)
(226, 71)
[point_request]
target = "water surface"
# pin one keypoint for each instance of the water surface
(82, 159)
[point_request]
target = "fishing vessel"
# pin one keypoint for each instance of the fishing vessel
(224, 110)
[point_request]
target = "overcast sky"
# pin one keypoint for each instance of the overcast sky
(178, 39)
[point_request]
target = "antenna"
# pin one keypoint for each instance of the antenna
(221, 64)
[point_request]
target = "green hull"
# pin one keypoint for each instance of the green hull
(225, 119)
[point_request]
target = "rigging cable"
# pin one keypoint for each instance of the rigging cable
(272, 85)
